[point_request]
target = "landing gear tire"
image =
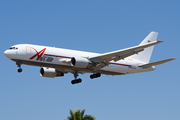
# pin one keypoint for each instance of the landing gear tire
(95, 75)
(92, 76)
(98, 75)
(19, 70)
(76, 81)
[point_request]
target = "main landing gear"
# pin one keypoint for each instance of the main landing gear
(75, 81)
(75, 73)
(95, 75)
(19, 65)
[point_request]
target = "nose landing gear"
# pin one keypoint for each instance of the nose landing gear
(19, 65)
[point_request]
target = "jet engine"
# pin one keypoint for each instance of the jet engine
(80, 62)
(50, 72)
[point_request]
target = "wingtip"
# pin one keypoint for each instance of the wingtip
(172, 58)
(159, 41)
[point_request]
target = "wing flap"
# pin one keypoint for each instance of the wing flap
(119, 57)
(156, 63)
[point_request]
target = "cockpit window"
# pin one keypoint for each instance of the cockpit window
(13, 48)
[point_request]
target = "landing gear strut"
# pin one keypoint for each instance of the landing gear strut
(75, 81)
(19, 65)
(95, 75)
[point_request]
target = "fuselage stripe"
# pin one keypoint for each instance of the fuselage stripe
(119, 64)
(57, 56)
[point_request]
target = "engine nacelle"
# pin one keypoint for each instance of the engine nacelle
(80, 62)
(50, 72)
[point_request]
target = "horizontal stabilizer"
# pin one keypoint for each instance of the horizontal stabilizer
(156, 63)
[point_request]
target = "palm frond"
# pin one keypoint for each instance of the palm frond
(82, 113)
(89, 117)
(73, 117)
(79, 115)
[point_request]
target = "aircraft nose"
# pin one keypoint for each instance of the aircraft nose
(7, 54)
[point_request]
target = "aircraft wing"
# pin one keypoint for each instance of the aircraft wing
(121, 54)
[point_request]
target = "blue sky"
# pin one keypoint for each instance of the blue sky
(96, 26)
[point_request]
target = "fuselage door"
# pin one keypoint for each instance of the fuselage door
(28, 50)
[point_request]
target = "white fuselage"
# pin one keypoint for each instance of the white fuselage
(52, 57)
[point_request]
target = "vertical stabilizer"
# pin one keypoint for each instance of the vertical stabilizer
(146, 54)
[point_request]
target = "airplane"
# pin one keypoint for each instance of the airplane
(55, 62)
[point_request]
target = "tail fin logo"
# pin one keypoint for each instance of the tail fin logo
(149, 41)
(38, 54)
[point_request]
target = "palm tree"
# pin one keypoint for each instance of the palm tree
(79, 115)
